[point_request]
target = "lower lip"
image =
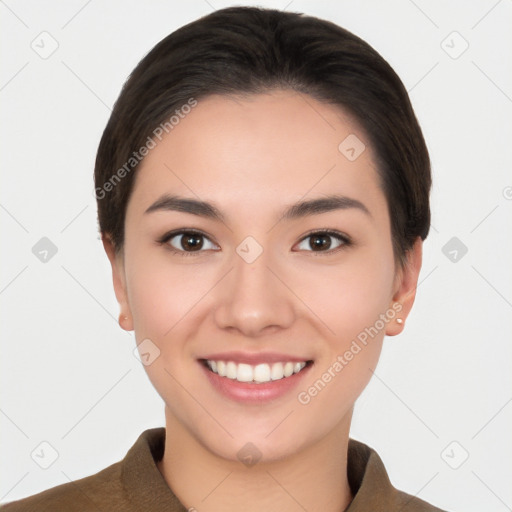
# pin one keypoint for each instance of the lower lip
(247, 392)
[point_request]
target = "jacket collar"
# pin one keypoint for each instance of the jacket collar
(368, 479)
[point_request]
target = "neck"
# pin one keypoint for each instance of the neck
(314, 479)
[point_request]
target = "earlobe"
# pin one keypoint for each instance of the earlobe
(119, 281)
(405, 289)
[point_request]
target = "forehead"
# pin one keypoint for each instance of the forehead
(261, 150)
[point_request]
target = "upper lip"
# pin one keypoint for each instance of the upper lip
(255, 358)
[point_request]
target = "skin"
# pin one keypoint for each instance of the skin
(252, 157)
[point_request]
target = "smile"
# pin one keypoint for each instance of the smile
(257, 374)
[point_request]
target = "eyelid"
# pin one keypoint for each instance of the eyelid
(327, 231)
(163, 240)
(342, 237)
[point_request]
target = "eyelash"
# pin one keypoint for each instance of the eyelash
(346, 241)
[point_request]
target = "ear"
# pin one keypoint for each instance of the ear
(406, 282)
(119, 280)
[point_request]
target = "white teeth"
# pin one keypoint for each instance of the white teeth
(297, 367)
(244, 373)
(221, 368)
(288, 369)
(277, 371)
(262, 373)
(259, 373)
(231, 370)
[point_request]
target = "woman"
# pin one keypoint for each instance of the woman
(263, 195)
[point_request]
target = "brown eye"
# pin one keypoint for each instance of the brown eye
(320, 242)
(191, 242)
(323, 241)
(188, 242)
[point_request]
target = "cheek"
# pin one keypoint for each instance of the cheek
(161, 294)
(349, 297)
(350, 303)
(162, 298)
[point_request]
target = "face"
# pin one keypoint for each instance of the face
(263, 305)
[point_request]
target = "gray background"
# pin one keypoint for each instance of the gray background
(442, 391)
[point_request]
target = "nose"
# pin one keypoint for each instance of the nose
(254, 299)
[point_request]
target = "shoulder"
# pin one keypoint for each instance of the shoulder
(130, 485)
(127, 485)
(101, 491)
(408, 503)
(372, 487)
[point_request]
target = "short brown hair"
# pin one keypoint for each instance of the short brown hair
(249, 50)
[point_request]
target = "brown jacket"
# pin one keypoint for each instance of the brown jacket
(135, 484)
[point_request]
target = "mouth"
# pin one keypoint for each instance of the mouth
(254, 379)
(255, 374)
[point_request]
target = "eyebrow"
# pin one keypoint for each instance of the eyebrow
(294, 211)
